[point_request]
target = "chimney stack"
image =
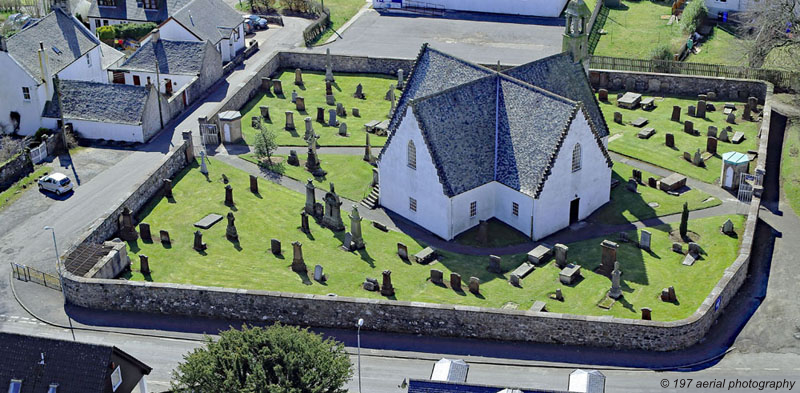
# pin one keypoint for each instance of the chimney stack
(155, 35)
(44, 66)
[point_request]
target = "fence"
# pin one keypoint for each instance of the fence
(424, 8)
(596, 23)
(782, 79)
(39, 153)
(314, 30)
(27, 273)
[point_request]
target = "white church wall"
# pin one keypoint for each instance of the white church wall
(398, 182)
(592, 183)
(483, 197)
(503, 208)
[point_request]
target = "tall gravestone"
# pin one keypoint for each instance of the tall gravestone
(386, 286)
(359, 94)
(127, 231)
(275, 246)
(328, 66)
(367, 150)
(253, 184)
(670, 140)
(560, 252)
(203, 168)
(494, 264)
(309, 128)
(340, 111)
(475, 285)
(318, 275)
(300, 104)
(304, 227)
(230, 231)
(289, 121)
(333, 216)
(676, 113)
(144, 264)
(645, 239)
(277, 87)
(298, 263)
(320, 115)
(229, 195)
(167, 183)
(332, 118)
(311, 197)
(402, 251)
(437, 277)
(265, 113)
(164, 237)
(298, 77)
(616, 289)
(144, 232)
(608, 257)
(401, 82)
(455, 282)
(711, 145)
(701, 109)
(198, 241)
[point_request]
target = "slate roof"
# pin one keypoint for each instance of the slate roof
(65, 40)
(424, 386)
(129, 10)
(76, 367)
(109, 55)
(174, 57)
(211, 20)
(112, 103)
(560, 75)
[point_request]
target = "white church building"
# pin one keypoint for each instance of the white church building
(526, 146)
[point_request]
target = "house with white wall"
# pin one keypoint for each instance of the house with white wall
(527, 146)
(58, 44)
(207, 20)
(543, 8)
(114, 12)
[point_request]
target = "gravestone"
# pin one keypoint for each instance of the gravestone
(359, 94)
(293, 160)
(623, 237)
(144, 232)
(637, 175)
(712, 131)
(275, 246)
(298, 263)
(355, 228)
(265, 113)
(320, 115)
(340, 111)
(752, 102)
(475, 285)
(694, 248)
(688, 127)
(494, 264)
(347, 243)
(670, 140)
(367, 150)
(731, 118)
(229, 195)
(144, 264)
(266, 84)
(569, 274)
(402, 251)
(328, 88)
(371, 284)
(691, 110)
(386, 287)
(652, 182)
(304, 222)
(697, 159)
(164, 236)
(711, 145)
(514, 280)
(198, 241)
(300, 104)
(602, 95)
(277, 87)
(332, 217)
(723, 135)
(483, 232)
(400, 80)
(644, 240)
(646, 133)
(701, 109)
(343, 129)
(455, 282)
(294, 96)
(632, 185)
(389, 96)
(356, 112)
(738, 137)
(671, 294)
(253, 184)
(289, 121)
(328, 66)
(711, 95)
(746, 115)
(608, 257)
(230, 231)
(618, 117)
(702, 97)
(127, 231)
(727, 228)
(664, 295)
(640, 122)
(255, 122)
(309, 128)
(332, 118)
(677, 247)
(616, 289)
(167, 183)
(437, 277)
(646, 313)
(318, 273)
(298, 77)
(559, 295)
(560, 251)
(330, 100)
(676, 113)
(311, 198)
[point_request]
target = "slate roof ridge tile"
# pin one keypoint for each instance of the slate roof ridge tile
(450, 90)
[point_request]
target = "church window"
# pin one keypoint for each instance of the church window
(473, 208)
(412, 204)
(515, 208)
(576, 157)
(412, 155)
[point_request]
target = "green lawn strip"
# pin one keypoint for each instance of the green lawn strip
(350, 174)
(721, 47)
(374, 107)
(635, 28)
(341, 12)
(790, 166)
(626, 206)
(274, 213)
(13, 193)
(655, 152)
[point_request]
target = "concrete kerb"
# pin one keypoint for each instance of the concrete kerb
(417, 317)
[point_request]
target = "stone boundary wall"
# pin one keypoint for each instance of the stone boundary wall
(14, 169)
(403, 316)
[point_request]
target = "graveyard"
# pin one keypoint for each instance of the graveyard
(238, 251)
(689, 132)
(313, 94)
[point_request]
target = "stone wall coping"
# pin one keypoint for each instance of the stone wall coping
(684, 76)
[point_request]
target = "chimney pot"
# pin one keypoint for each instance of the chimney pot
(155, 35)
(41, 45)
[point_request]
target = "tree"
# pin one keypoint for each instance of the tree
(685, 220)
(772, 27)
(266, 143)
(283, 359)
(693, 16)
(107, 33)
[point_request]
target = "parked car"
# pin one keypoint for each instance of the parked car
(56, 182)
(256, 22)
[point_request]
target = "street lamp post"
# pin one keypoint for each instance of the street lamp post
(58, 260)
(359, 324)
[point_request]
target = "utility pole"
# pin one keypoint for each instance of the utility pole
(57, 86)
(158, 94)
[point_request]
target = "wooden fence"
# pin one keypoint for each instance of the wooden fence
(781, 79)
(27, 273)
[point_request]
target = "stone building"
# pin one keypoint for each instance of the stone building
(526, 146)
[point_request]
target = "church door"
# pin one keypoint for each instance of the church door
(574, 208)
(729, 177)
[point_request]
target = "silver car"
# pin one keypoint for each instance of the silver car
(56, 182)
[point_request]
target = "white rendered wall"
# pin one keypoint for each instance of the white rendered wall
(460, 204)
(178, 81)
(398, 182)
(12, 78)
(83, 70)
(548, 8)
(715, 6)
(504, 197)
(592, 183)
(117, 132)
(172, 30)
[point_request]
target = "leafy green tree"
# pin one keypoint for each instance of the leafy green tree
(280, 359)
(661, 52)
(265, 144)
(693, 16)
(107, 33)
(684, 228)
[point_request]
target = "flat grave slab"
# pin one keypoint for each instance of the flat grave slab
(646, 133)
(629, 100)
(540, 254)
(208, 221)
(738, 137)
(539, 306)
(689, 260)
(640, 122)
(673, 182)
(524, 269)
(427, 255)
(569, 274)
(648, 103)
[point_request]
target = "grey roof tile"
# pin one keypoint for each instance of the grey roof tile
(109, 55)
(174, 57)
(113, 103)
(211, 20)
(64, 38)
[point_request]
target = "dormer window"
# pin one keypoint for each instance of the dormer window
(107, 3)
(150, 4)
(15, 386)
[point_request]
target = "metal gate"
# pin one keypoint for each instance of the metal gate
(39, 153)
(745, 195)
(209, 134)
(26, 273)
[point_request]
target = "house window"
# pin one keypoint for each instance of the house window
(576, 157)
(89, 59)
(150, 4)
(515, 208)
(136, 80)
(97, 23)
(26, 93)
(473, 208)
(236, 34)
(412, 204)
(412, 155)
(106, 3)
(15, 387)
(118, 77)
(105, 22)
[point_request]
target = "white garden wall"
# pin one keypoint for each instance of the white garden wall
(547, 8)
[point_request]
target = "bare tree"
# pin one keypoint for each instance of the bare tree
(774, 25)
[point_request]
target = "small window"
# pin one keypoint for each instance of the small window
(412, 155)
(26, 93)
(89, 59)
(116, 379)
(150, 4)
(515, 208)
(412, 204)
(97, 23)
(53, 388)
(105, 22)
(15, 387)
(473, 208)
(148, 81)
(106, 3)
(576, 157)
(136, 80)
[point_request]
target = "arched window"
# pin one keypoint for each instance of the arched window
(576, 157)
(412, 155)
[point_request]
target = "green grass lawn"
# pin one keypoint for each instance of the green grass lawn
(635, 28)
(341, 12)
(626, 206)
(350, 174)
(655, 152)
(374, 107)
(790, 165)
(13, 193)
(722, 48)
(275, 213)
